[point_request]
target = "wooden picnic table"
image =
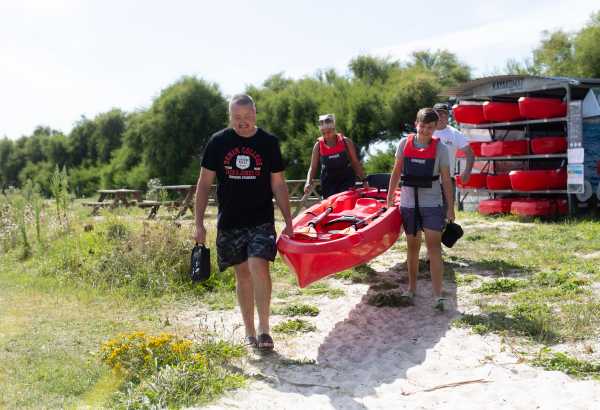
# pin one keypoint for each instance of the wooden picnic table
(113, 198)
(184, 200)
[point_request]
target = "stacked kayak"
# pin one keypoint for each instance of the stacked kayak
(501, 111)
(504, 148)
(539, 207)
(538, 180)
(548, 145)
(498, 181)
(476, 181)
(495, 206)
(468, 113)
(342, 231)
(540, 108)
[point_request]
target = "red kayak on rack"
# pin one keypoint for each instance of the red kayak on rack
(538, 180)
(468, 113)
(495, 206)
(476, 181)
(498, 181)
(540, 108)
(342, 231)
(548, 145)
(494, 111)
(542, 207)
(504, 148)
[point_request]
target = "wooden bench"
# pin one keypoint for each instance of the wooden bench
(97, 205)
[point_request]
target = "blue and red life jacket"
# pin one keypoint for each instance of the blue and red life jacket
(418, 164)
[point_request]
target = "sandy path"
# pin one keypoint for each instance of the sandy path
(364, 357)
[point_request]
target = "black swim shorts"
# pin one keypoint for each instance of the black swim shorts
(236, 245)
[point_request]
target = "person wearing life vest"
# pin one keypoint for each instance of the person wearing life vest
(339, 162)
(420, 162)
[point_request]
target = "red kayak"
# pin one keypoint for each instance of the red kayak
(503, 148)
(539, 207)
(342, 231)
(539, 108)
(476, 181)
(468, 114)
(538, 180)
(498, 181)
(495, 206)
(548, 145)
(494, 111)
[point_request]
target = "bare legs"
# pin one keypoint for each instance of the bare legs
(253, 285)
(434, 250)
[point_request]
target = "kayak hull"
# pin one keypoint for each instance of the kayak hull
(539, 207)
(476, 181)
(539, 108)
(468, 113)
(538, 180)
(498, 181)
(502, 148)
(548, 145)
(494, 111)
(495, 206)
(337, 247)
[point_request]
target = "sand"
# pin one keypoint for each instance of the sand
(364, 357)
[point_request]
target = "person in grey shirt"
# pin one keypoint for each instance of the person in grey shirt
(420, 163)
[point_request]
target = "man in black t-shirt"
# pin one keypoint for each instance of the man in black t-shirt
(247, 163)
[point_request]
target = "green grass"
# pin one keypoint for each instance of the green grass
(562, 362)
(322, 288)
(358, 274)
(100, 278)
(501, 285)
(535, 322)
(293, 326)
(461, 280)
(296, 309)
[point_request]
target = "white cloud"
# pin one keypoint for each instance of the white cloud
(487, 47)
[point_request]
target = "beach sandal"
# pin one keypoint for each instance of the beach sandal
(440, 304)
(409, 294)
(251, 341)
(265, 342)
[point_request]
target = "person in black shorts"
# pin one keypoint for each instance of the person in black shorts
(247, 163)
(337, 155)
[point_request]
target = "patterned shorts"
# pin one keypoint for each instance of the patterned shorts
(236, 245)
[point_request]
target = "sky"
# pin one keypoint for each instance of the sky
(63, 59)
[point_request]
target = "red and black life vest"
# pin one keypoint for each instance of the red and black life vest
(335, 163)
(418, 164)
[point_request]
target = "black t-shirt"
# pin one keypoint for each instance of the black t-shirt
(243, 167)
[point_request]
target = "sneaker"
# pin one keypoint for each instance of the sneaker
(441, 304)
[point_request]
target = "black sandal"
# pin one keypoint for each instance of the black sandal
(265, 342)
(251, 341)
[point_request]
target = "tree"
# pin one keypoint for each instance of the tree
(554, 56)
(107, 134)
(412, 92)
(178, 126)
(372, 69)
(587, 49)
(443, 64)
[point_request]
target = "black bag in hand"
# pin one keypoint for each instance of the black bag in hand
(200, 269)
(452, 233)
